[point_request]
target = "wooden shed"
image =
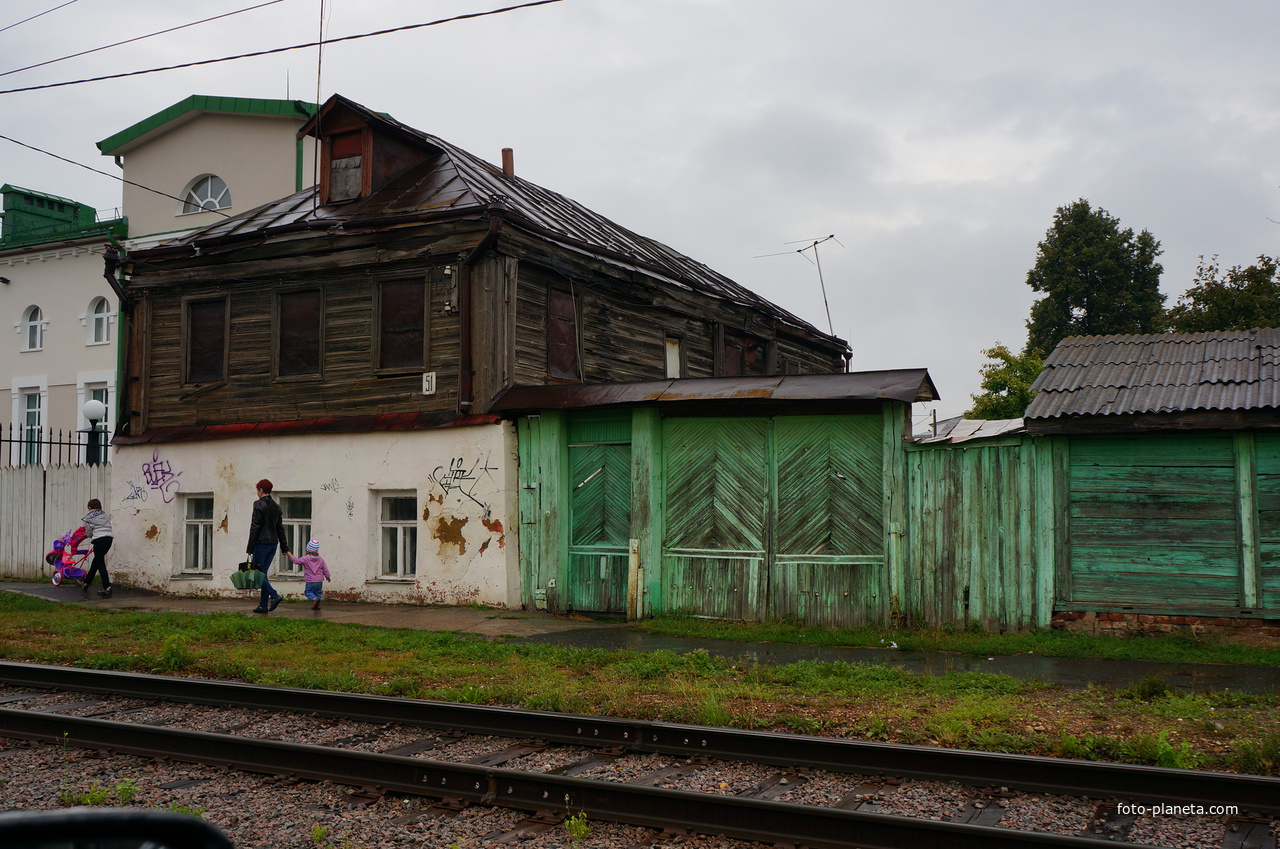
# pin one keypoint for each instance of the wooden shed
(1169, 447)
(747, 498)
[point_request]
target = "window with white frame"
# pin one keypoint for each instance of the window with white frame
(32, 329)
(204, 193)
(398, 523)
(197, 547)
(99, 321)
(32, 422)
(296, 516)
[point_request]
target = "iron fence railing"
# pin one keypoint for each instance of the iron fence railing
(32, 446)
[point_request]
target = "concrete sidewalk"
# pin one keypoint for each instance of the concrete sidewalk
(486, 623)
(539, 627)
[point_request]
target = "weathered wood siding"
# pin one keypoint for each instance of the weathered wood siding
(981, 542)
(1267, 448)
(1154, 522)
(347, 386)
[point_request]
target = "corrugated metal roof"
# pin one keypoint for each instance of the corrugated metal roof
(960, 429)
(451, 180)
(906, 385)
(1159, 373)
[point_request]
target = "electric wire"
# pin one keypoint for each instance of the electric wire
(137, 38)
(104, 173)
(33, 17)
(455, 18)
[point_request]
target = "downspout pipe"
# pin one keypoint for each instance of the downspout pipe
(466, 365)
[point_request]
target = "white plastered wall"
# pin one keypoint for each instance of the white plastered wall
(464, 478)
(255, 155)
(62, 281)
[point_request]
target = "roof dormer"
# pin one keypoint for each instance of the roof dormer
(360, 150)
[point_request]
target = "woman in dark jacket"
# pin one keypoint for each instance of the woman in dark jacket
(97, 527)
(266, 533)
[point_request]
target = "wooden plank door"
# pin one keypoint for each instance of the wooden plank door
(828, 564)
(718, 509)
(599, 527)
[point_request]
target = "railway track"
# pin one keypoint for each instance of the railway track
(404, 746)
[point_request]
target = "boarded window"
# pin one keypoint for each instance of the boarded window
(346, 166)
(402, 336)
(562, 333)
(298, 334)
(732, 360)
(206, 340)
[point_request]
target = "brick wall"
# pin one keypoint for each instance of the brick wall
(1123, 624)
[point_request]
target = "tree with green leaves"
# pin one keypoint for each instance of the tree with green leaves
(1096, 279)
(1240, 298)
(1006, 381)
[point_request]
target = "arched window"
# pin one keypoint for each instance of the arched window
(206, 192)
(99, 321)
(32, 329)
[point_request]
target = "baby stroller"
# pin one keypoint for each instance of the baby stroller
(67, 557)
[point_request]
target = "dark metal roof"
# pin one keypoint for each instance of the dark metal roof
(1159, 373)
(451, 182)
(906, 385)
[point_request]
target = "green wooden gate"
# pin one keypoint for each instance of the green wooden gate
(775, 518)
(599, 514)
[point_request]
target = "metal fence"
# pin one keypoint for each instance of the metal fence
(28, 446)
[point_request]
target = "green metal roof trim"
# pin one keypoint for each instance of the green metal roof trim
(115, 228)
(9, 187)
(199, 104)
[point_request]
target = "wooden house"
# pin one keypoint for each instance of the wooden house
(348, 342)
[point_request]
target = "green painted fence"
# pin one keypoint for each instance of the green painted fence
(835, 520)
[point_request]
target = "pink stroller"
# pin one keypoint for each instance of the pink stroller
(67, 557)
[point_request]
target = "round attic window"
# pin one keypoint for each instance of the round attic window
(207, 192)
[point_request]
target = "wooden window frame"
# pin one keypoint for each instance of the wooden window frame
(425, 282)
(564, 375)
(186, 338)
(277, 336)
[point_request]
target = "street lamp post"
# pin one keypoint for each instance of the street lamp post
(95, 411)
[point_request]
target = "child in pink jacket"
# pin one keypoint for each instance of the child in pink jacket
(313, 570)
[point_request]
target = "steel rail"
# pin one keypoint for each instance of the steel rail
(1022, 772)
(732, 816)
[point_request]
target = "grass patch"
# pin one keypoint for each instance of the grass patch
(1147, 723)
(1179, 647)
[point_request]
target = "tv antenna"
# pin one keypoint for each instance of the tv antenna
(812, 245)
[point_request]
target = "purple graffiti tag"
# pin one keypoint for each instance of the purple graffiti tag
(160, 476)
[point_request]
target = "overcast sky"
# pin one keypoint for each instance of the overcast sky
(934, 139)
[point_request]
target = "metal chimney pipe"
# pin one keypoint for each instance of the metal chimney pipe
(508, 162)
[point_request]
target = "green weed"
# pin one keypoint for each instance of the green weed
(577, 828)
(319, 833)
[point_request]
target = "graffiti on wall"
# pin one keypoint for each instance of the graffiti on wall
(136, 491)
(160, 476)
(463, 477)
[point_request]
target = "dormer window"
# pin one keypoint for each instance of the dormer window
(346, 166)
(205, 193)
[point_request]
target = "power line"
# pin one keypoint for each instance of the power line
(33, 17)
(455, 18)
(137, 38)
(105, 173)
